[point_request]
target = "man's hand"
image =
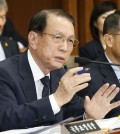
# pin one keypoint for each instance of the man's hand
(69, 84)
(100, 105)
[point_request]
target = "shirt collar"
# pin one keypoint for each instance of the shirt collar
(36, 71)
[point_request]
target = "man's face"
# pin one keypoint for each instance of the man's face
(2, 19)
(50, 55)
(115, 49)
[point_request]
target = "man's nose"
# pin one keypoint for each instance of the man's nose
(65, 44)
(1, 22)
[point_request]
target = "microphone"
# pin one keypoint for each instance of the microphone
(86, 61)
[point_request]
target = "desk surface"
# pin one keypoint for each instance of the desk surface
(114, 132)
(105, 123)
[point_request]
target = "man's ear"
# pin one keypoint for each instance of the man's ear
(32, 38)
(108, 39)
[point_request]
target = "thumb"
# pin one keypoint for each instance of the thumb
(87, 100)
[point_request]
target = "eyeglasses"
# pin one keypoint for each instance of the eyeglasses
(58, 38)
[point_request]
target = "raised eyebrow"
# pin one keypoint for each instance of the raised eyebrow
(60, 33)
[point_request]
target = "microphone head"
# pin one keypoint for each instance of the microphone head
(85, 61)
(82, 60)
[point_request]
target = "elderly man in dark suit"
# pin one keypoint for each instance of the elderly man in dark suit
(27, 97)
(101, 73)
(8, 47)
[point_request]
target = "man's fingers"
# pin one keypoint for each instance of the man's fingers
(79, 79)
(87, 100)
(114, 105)
(80, 87)
(73, 71)
(101, 91)
(113, 94)
(109, 90)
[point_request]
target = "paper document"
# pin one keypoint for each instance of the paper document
(111, 123)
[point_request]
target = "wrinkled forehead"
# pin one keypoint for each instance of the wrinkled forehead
(54, 18)
(59, 23)
(3, 10)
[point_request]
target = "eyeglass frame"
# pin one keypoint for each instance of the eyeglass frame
(63, 38)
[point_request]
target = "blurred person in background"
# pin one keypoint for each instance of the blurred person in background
(10, 32)
(95, 47)
(102, 73)
(8, 47)
(8, 29)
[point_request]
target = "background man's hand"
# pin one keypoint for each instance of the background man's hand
(100, 105)
(69, 84)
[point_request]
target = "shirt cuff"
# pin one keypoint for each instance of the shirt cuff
(54, 104)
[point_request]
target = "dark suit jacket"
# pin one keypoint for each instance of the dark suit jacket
(19, 107)
(101, 74)
(10, 46)
(91, 50)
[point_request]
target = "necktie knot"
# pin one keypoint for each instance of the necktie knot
(46, 89)
(45, 81)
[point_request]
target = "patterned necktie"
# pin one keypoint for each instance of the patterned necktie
(46, 89)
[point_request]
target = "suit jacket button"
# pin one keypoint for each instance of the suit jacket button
(36, 120)
(44, 117)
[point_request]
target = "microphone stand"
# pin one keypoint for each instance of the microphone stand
(86, 61)
(106, 63)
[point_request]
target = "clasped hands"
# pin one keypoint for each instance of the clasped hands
(96, 107)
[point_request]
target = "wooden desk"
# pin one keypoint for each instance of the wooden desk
(113, 132)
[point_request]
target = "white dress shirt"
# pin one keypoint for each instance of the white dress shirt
(2, 53)
(37, 75)
(20, 45)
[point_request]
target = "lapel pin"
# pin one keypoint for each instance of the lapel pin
(6, 44)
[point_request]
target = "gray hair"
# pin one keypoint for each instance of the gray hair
(3, 4)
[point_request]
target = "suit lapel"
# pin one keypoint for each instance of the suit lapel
(27, 81)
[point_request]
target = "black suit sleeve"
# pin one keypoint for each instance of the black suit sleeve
(16, 112)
